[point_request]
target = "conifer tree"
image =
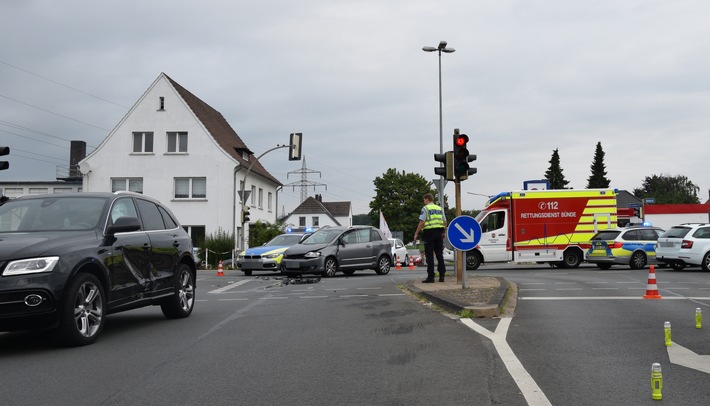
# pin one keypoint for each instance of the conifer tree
(598, 177)
(554, 173)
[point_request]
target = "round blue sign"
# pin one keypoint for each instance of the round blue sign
(464, 233)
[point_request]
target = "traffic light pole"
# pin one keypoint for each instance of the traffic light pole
(459, 254)
(243, 196)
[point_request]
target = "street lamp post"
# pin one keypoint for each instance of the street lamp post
(441, 48)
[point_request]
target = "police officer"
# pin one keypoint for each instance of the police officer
(432, 224)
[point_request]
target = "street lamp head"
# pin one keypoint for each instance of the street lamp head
(442, 45)
(429, 49)
(448, 50)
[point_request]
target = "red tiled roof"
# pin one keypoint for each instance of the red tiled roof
(221, 131)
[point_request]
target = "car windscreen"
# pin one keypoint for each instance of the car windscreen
(51, 214)
(322, 237)
(284, 240)
(606, 235)
(676, 232)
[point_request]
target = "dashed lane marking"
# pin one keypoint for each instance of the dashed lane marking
(230, 286)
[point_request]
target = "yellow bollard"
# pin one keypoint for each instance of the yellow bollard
(667, 333)
(656, 381)
(698, 318)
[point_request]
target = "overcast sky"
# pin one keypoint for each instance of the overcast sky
(527, 77)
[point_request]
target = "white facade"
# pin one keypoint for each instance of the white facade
(15, 189)
(167, 147)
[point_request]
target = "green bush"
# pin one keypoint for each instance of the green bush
(220, 245)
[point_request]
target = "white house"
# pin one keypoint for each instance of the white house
(176, 148)
(315, 213)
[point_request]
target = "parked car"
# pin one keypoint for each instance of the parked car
(332, 249)
(632, 246)
(685, 244)
(416, 257)
(399, 252)
(268, 256)
(69, 260)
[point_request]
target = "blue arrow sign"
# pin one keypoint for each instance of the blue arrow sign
(464, 233)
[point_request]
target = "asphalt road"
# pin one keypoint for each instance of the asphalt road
(583, 337)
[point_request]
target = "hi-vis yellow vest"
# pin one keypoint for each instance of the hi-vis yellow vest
(434, 217)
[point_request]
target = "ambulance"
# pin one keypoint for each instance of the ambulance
(542, 226)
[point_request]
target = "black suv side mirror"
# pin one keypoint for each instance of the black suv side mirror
(124, 225)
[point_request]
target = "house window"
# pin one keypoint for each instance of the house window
(268, 201)
(38, 190)
(13, 191)
(261, 198)
(253, 194)
(161, 106)
(143, 142)
(177, 142)
(190, 188)
(302, 221)
(315, 221)
(62, 190)
(130, 184)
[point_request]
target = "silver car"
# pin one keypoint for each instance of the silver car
(339, 249)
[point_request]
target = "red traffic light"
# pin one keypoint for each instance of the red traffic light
(461, 140)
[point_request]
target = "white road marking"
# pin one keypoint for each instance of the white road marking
(529, 388)
(230, 286)
(680, 355)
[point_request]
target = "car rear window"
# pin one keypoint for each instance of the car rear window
(606, 235)
(676, 232)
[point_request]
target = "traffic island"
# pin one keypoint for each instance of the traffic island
(483, 297)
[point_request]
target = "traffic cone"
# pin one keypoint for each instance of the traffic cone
(651, 287)
(399, 265)
(220, 272)
(411, 265)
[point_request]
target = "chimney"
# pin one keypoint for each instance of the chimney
(77, 152)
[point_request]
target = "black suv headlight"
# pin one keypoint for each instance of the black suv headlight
(31, 265)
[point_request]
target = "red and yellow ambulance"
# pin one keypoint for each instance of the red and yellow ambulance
(553, 226)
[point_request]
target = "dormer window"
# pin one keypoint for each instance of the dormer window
(245, 155)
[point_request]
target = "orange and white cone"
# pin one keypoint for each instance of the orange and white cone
(652, 287)
(220, 272)
(411, 264)
(399, 264)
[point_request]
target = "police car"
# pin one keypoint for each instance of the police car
(268, 256)
(633, 246)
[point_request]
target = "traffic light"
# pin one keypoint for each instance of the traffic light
(245, 214)
(4, 151)
(294, 152)
(447, 171)
(462, 157)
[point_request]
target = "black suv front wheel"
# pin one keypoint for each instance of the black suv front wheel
(82, 312)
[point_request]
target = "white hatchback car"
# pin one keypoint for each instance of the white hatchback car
(399, 252)
(685, 244)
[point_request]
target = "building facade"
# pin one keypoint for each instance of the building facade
(176, 148)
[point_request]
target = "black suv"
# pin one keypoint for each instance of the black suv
(333, 249)
(68, 260)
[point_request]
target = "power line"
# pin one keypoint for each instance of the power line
(51, 112)
(63, 85)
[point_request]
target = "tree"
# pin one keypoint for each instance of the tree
(399, 196)
(598, 179)
(666, 189)
(554, 173)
